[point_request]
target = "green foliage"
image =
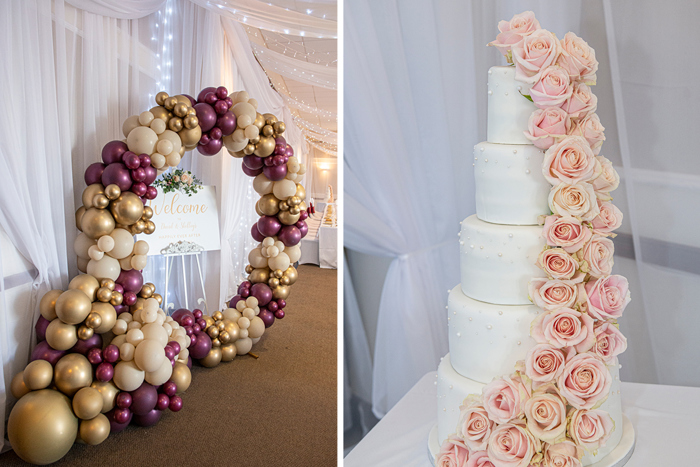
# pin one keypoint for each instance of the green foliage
(181, 180)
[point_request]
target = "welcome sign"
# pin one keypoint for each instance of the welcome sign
(179, 217)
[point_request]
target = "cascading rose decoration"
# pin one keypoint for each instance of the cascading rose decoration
(547, 412)
(107, 353)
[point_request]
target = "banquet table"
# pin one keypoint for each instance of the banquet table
(328, 237)
(309, 244)
(663, 416)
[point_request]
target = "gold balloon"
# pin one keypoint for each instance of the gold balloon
(117, 299)
(220, 325)
(255, 140)
(281, 292)
(192, 111)
(42, 427)
(78, 217)
(184, 99)
(180, 109)
(85, 333)
(150, 228)
(291, 274)
(287, 218)
(294, 201)
(279, 127)
(224, 338)
(259, 121)
(175, 124)
(93, 320)
(108, 283)
(294, 210)
(259, 275)
(95, 431)
(217, 315)
(301, 192)
(278, 273)
(146, 291)
(160, 112)
(190, 121)
(100, 201)
(228, 352)
(273, 282)
(248, 150)
(284, 281)
(182, 377)
(190, 136)
(265, 147)
(104, 294)
(209, 320)
(160, 97)
(257, 209)
(147, 212)
(303, 206)
(216, 342)
(108, 315)
(108, 391)
(90, 192)
(86, 284)
(231, 329)
(61, 336)
(17, 386)
(97, 222)
(87, 403)
(73, 306)
(248, 269)
(127, 209)
(72, 372)
(270, 119)
(138, 227)
(112, 191)
(267, 130)
(284, 206)
(38, 375)
(169, 103)
(47, 305)
(158, 297)
(212, 359)
(269, 204)
(213, 332)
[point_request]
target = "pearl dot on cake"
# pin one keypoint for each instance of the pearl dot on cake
(527, 171)
(459, 334)
(510, 235)
(506, 93)
(486, 160)
(500, 312)
(488, 326)
(500, 254)
(515, 151)
(482, 149)
(520, 88)
(450, 386)
(518, 342)
(472, 246)
(470, 318)
(482, 247)
(490, 93)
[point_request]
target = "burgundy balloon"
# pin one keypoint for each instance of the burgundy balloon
(129, 297)
(104, 372)
(216, 133)
(149, 419)
(175, 403)
(139, 188)
(118, 288)
(244, 285)
(118, 419)
(262, 292)
(175, 346)
(118, 174)
(145, 160)
(131, 280)
(203, 93)
(43, 351)
(273, 306)
(267, 317)
(189, 362)
(151, 174)
(281, 303)
(253, 162)
(170, 388)
(193, 101)
(179, 314)
(188, 321)
(269, 226)
(303, 228)
(193, 337)
(279, 314)
(206, 116)
(234, 300)
(110, 353)
(250, 172)
(84, 346)
(93, 174)
(163, 402)
(212, 148)
(138, 175)
(123, 400)
(277, 160)
(269, 161)
(227, 123)
(290, 151)
(290, 235)
(204, 139)
(197, 313)
(170, 352)
(40, 328)
(220, 107)
(94, 356)
(255, 233)
(188, 330)
(201, 323)
(131, 160)
(229, 101)
(280, 149)
(221, 92)
(285, 159)
(245, 293)
(281, 140)
(201, 347)
(112, 152)
(151, 192)
(276, 172)
(210, 98)
(143, 399)
(303, 215)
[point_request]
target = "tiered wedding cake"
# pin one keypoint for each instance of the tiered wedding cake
(532, 375)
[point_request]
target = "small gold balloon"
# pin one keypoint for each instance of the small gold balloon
(267, 130)
(95, 431)
(231, 329)
(90, 192)
(291, 274)
(175, 124)
(301, 192)
(93, 320)
(160, 97)
(147, 212)
(216, 342)
(84, 333)
(257, 209)
(265, 147)
(86, 284)
(147, 290)
(139, 226)
(259, 121)
(281, 292)
(259, 275)
(287, 218)
(108, 283)
(273, 282)
(47, 305)
(293, 200)
(87, 403)
(255, 140)
(190, 121)
(72, 306)
(78, 216)
(97, 222)
(182, 377)
(217, 315)
(279, 273)
(127, 209)
(249, 149)
(283, 205)
(61, 336)
(212, 359)
(108, 391)
(270, 119)
(72, 372)
(160, 112)
(100, 201)
(303, 206)
(38, 375)
(180, 109)
(294, 210)
(224, 337)
(269, 204)
(209, 320)
(190, 136)
(104, 294)
(116, 299)
(150, 227)
(184, 100)
(248, 269)
(279, 127)
(191, 111)
(158, 297)
(220, 325)
(169, 103)
(285, 281)
(213, 332)
(17, 386)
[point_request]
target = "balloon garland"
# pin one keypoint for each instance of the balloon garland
(107, 353)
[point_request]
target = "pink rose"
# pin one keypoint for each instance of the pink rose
(590, 429)
(546, 414)
(504, 397)
(607, 181)
(479, 459)
(598, 254)
(512, 445)
(566, 232)
(578, 59)
(563, 454)
(513, 31)
(585, 381)
(552, 89)
(609, 218)
(581, 102)
(453, 453)
(547, 126)
(577, 200)
(607, 297)
(474, 425)
(609, 341)
(533, 54)
(550, 294)
(590, 128)
(570, 161)
(544, 363)
(557, 263)
(564, 327)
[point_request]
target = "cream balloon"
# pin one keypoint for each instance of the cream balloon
(119, 327)
(174, 139)
(123, 243)
(173, 159)
(240, 96)
(262, 185)
(142, 140)
(127, 376)
(257, 327)
(162, 374)
(95, 253)
(232, 145)
(251, 131)
(244, 121)
(141, 248)
(138, 262)
(281, 261)
(256, 259)
(293, 165)
(243, 346)
(126, 352)
(158, 160)
(106, 268)
(284, 189)
(82, 265)
(106, 243)
(158, 126)
(244, 108)
(129, 124)
(82, 245)
(118, 340)
(149, 355)
(293, 252)
(156, 332)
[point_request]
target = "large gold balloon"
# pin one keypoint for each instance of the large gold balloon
(127, 209)
(269, 204)
(94, 431)
(61, 336)
(90, 192)
(190, 136)
(73, 306)
(108, 391)
(232, 329)
(257, 209)
(160, 112)
(38, 375)
(182, 377)
(108, 314)
(47, 306)
(259, 275)
(265, 147)
(87, 403)
(279, 127)
(98, 222)
(259, 121)
(72, 372)
(228, 352)
(17, 386)
(281, 292)
(86, 284)
(291, 274)
(42, 427)
(287, 218)
(79, 216)
(301, 191)
(212, 359)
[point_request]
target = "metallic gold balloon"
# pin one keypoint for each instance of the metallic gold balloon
(291, 274)
(216, 342)
(108, 283)
(182, 377)
(73, 306)
(93, 320)
(217, 315)
(224, 338)
(270, 119)
(257, 209)
(150, 227)
(104, 294)
(72, 372)
(287, 218)
(248, 269)
(17, 386)
(301, 192)
(190, 136)
(284, 281)
(86, 284)
(259, 121)
(281, 292)
(255, 140)
(269, 204)
(231, 328)
(248, 150)
(112, 191)
(47, 305)
(294, 200)
(273, 282)
(265, 147)
(175, 124)
(147, 290)
(220, 325)
(259, 275)
(90, 192)
(183, 99)
(147, 212)
(42, 427)
(169, 103)
(84, 333)
(213, 332)
(158, 297)
(279, 127)
(209, 320)
(108, 391)
(190, 121)
(95, 431)
(278, 273)
(294, 210)
(160, 98)
(78, 217)
(61, 336)
(117, 299)
(212, 359)
(267, 130)
(87, 403)
(284, 206)
(228, 352)
(100, 201)
(108, 315)
(180, 109)
(98, 222)
(127, 209)
(38, 375)
(303, 206)
(160, 112)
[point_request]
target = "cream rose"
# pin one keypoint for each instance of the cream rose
(607, 297)
(563, 454)
(609, 341)
(513, 31)
(474, 426)
(598, 256)
(607, 181)
(585, 381)
(590, 429)
(566, 232)
(546, 414)
(479, 459)
(609, 218)
(570, 161)
(577, 200)
(503, 398)
(547, 126)
(578, 59)
(533, 54)
(564, 327)
(550, 294)
(581, 102)
(512, 445)
(453, 453)
(590, 128)
(552, 89)
(544, 363)
(557, 263)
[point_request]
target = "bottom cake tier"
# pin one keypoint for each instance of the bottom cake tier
(453, 388)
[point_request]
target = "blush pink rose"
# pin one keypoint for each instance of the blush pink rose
(609, 341)
(552, 89)
(585, 381)
(533, 54)
(503, 398)
(547, 126)
(590, 429)
(570, 161)
(474, 426)
(479, 459)
(550, 294)
(577, 200)
(544, 362)
(566, 232)
(607, 297)
(608, 219)
(581, 102)
(512, 445)
(513, 31)
(557, 263)
(590, 128)
(578, 59)
(598, 255)
(564, 327)
(607, 181)
(545, 412)
(562, 454)
(453, 453)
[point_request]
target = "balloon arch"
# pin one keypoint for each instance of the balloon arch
(107, 353)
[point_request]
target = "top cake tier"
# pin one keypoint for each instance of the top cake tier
(508, 110)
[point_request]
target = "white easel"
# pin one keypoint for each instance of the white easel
(182, 249)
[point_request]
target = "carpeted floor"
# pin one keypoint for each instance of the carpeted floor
(278, 410)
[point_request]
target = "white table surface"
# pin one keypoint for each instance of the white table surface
(328, 240)
(666, 419)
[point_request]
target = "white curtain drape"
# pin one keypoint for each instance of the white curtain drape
(415, 104)
(306, 72)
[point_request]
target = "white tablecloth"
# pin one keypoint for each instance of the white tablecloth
(328, 240)
(666, 419)
(309, 244)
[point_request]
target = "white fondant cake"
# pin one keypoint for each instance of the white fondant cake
(508, 110)
(497, 261)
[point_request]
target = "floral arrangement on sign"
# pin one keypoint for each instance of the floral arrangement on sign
(546, 413)
(180, 180)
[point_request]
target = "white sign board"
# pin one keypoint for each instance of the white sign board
(179, 217)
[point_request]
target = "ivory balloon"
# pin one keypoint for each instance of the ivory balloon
(89, 194)
(108, 391)
(262, 185)
(17, 386)
(127, 209)
(106, 268)
(155, 331)
(95, 431)
(97, 222)
(212, 359)
(72, 307)
(173, 138)
(256, 328)
(82, 265)
(87, 403)
(86, 284)
(38, 375)
(108, 314)
(244, 108)
(123, 243)
(256, 259)
(162, 374)
(129, 124)
(142, 140)
(128, 376)
(72, 372)
(243, 346)
(106, 243)
(283, 189)
(47, 305)
(149, 355)
(232, 145)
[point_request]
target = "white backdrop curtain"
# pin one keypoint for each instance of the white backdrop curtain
(415, 103)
